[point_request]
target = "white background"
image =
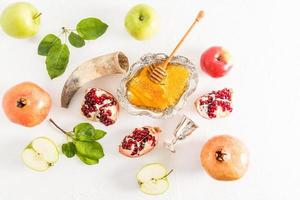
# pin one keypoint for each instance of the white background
(263, 37)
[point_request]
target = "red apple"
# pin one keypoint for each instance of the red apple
(26, 104)
(215, 61)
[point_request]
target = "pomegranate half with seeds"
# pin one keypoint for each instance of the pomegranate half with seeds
(100, 105)
(140, 141)
(215, 104)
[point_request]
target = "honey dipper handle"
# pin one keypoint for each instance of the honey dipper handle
(197, 19)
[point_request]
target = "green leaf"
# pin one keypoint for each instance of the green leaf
(86, 132)
(92, 150)
(57, 60)
(87, 161)
(83, 128)
(47, 42)
(99, 134)
(69, 149)
(75, 40)
(91, 28)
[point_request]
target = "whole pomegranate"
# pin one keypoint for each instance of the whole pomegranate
(26, 104)
(225, 158)
(100, 105)
(140, 141)
(215, 104)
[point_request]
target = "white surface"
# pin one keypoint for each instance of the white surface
(263, 37)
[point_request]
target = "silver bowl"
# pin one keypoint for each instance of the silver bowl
(149, 59)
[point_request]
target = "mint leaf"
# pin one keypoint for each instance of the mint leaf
(92, 150)
(75, 40)
(47, 42)
(57, 60)
(91, 28)
(87, 161)
(69, 149)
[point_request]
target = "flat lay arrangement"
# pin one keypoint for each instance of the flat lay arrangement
(157, 85)
(144, 116)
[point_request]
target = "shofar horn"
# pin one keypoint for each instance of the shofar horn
(114, 63)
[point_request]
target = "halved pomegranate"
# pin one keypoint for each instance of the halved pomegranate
(140, 141)
(215, 104)
(100, 105)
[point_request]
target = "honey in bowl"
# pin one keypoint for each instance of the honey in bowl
(144, 93)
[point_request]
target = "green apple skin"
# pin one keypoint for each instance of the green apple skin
(142, 22)
(20, 20)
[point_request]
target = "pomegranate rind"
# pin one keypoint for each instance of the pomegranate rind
(219, 112)
(154, 131)
(96, 114)
(233, 167)
(37, 108)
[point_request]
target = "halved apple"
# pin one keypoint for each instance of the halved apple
(153, 179)
(40, 154)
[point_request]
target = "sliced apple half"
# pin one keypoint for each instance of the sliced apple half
(153, 179)
(40, 154)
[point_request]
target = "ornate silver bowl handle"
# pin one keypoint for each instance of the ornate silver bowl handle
(183, 129)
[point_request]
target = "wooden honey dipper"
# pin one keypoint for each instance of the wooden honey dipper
(159, 72)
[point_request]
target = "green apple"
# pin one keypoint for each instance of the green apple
(142, 22)
(20, 20)
(153, 179)
(40, 154)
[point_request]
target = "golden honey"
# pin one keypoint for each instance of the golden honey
(144, 93)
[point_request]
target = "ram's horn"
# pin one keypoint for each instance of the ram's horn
(114, 63)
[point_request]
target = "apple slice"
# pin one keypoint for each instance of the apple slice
(40, 154)
(153, 179)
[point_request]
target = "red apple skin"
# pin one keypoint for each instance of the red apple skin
(215, 61)
(26, 104)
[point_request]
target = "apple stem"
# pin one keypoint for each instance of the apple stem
(37, 16)
(167, 174)
(62, 130)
